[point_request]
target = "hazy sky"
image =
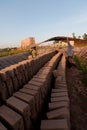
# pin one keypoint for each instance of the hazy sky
(41, 19)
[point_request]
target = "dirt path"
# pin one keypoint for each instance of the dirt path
(78, 99)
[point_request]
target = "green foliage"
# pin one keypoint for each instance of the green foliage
(83, 67)
(85, 36)
(73, 34)
(11, 52)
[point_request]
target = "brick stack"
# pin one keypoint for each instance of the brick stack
(22, 108)
(58, 116)
(13, 78)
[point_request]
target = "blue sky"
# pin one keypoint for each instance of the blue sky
(41, 19)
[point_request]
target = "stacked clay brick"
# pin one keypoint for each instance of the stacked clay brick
(22, 99)
(58, 116)
(13, 59)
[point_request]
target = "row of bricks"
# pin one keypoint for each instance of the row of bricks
(14, 77)
(23, 108)
(14, 59)
(58, 116)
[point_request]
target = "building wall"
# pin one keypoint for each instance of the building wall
(28, 43)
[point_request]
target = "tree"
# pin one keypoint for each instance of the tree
(85, 36)
(73, 34)
(79, 37)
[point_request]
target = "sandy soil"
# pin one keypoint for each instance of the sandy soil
(78, 99)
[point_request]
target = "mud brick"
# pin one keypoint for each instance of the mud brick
(3, 91)
(34, 66)
(33, 93)
(26, 72)
(61, 83)
(57, 73)
(59, 99)
(19, 77)
(9, 85)
(2, 127)
(34, 83)
(61, 94)
(59, 113)
(11, 72)
(59, 90)
(22, 72)
(29, 69)
(41, 76)
(60, 86)
(44, 70)
(44, 77)
(43, 81)
(38, 79)
(35, 88)
(32, 87)
(22, 108)
(28, 99)
(2, 63)
(56, 105)
(11, 118)
(41, 85)
(47, 75)
(60, 124)
(48, 65)
(15, 83)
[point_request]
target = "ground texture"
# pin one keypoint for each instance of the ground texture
(78, 99)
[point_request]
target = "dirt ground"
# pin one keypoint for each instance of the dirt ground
(78, 99)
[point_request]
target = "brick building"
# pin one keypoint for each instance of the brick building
(28, 43)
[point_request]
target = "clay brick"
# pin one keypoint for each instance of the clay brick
(33, 93)
(2, 127)
(59, 99)
(8, 81)
(22, 108)
(11, 118)
(60, 124)
(61, 94)
(41, 76)
(56, 105)
(21, 69)
(38, 79)
(39, 84)
(35, 88)
(19, 76)
(59, 90)
(59, 113)
(32, 87)
(11, 72)
(60, 86)
(28, 99)
(3, 91)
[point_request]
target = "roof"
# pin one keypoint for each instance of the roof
(58, 38)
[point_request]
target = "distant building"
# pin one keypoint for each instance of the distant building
(28, 43)
(62, 44)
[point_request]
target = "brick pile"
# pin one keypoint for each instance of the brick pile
(58, 116)
(22, 108)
